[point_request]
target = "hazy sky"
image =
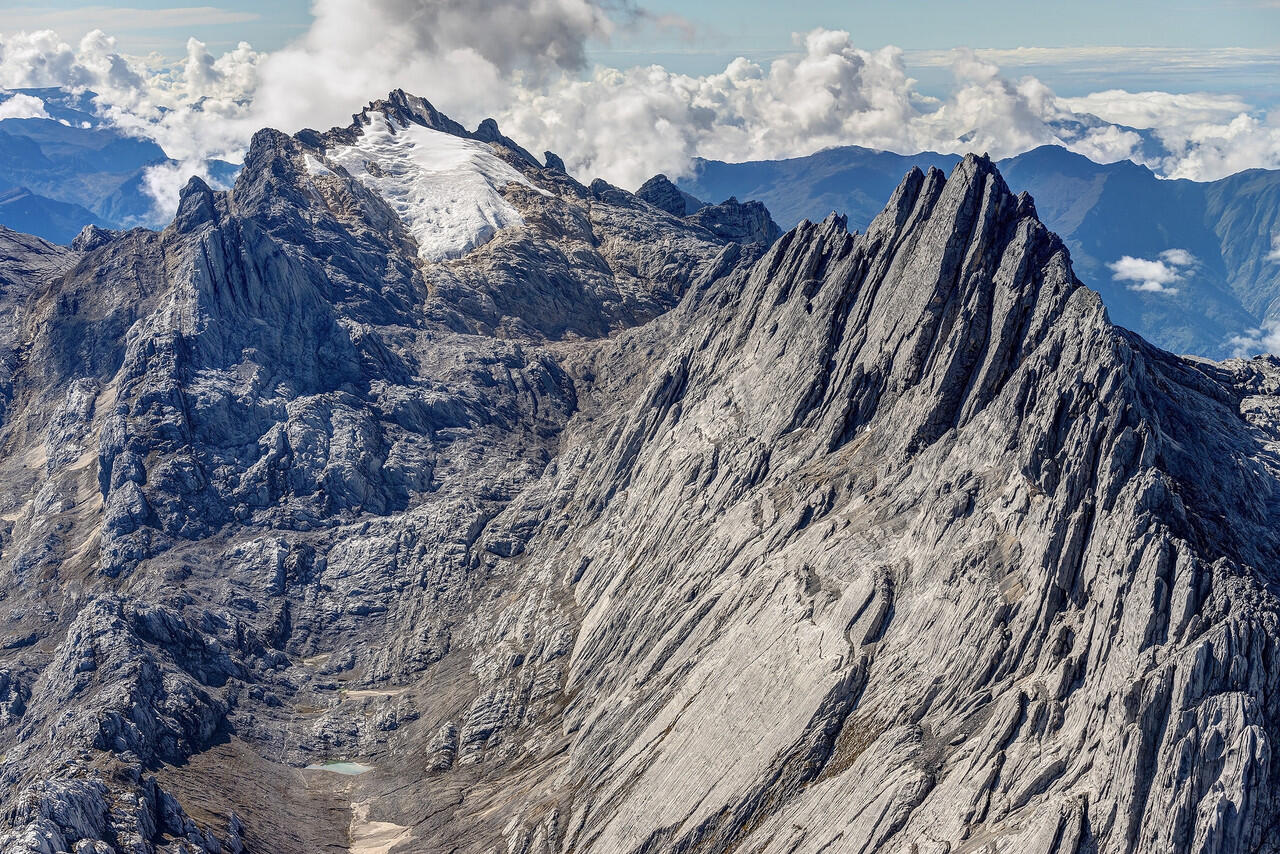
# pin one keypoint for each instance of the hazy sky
(1179, 45)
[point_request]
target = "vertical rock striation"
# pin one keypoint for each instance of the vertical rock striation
(908, 548)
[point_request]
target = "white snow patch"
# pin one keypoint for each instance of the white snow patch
(315, 166)
(444, 188)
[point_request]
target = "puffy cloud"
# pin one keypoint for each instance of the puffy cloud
(20, 106)
(525, 64)
(1206, 136)
(37, 59)
(1158, 109)
(137, 96)
(1108, 144)
(1254, 341)
(1153, 276)
(196, 110)
(991, 114)
(1274, 254)
(467, 56)
(1178, 257)
(627, 125)
(1217, 150)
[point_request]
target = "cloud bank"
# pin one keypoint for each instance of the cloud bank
(525, 63)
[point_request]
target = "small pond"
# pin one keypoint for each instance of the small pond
(348, 768)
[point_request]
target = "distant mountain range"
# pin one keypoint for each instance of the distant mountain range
(61, 173)
(1229, 281)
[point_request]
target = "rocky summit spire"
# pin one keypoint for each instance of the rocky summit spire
(399, 106)
(617, 528)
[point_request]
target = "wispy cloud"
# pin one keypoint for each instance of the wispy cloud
(1274, 254)
(1111, 57)
(118, 18)
(1155, 276)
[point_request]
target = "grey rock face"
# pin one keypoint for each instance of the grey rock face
(924, 575)
(729, 220)
(553, 161)
(1102, 211)
(621, 534)
(747, 222)
(663, 195)
(91, 237)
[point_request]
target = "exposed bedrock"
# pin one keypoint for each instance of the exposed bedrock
(623, 531)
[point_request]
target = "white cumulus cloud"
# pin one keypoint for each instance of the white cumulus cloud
(1178, 257)
(196, 110)
(1254, 341)
(1207, 136)
(1153, 276)
(20, 106)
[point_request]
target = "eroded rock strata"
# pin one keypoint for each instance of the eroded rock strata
(621, 531)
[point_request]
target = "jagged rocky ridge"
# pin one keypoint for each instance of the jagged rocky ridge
(742, 222)
(617, 535)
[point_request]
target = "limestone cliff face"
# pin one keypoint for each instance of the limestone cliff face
(618, 534)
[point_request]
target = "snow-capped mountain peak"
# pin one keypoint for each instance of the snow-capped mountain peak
(447, 189)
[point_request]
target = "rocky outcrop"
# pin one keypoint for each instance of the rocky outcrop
(666, 196)
(235, 438)
(622, 532)
(1102, 211)
(91, 237)
(730, 220)
(741, 222)
(553, 161)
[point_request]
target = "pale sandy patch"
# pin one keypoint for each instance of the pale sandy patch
(373, 837)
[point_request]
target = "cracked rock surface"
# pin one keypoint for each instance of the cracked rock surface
(625, 531)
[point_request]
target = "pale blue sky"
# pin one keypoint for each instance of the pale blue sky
(1182, 40)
